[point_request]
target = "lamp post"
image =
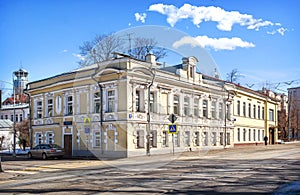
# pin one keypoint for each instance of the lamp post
(14, 118)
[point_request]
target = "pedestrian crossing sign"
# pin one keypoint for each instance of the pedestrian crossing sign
(173, 129)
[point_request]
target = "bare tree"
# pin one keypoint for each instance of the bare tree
(100, 48)
(143, 46)
(233, 76)
(23, 130)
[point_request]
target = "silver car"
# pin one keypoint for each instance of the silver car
(45, 151)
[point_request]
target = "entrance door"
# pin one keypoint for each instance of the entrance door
(111, 140)
(271, 136)
(68, 145)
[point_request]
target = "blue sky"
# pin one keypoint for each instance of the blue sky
(259, 38)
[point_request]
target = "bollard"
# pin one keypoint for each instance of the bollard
(0, 165)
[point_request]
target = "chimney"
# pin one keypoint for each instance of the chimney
(150, 57)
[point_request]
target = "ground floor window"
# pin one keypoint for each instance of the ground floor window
(196, 139)
(221, 138)
(140, 139)
(177, 139)
(205, 138)
(165, 141)
(214, 138)
(228, 138)
(258, 133)
(97, 139)
(50, 137)
(187, 138)
(38, 138)
(153, 139)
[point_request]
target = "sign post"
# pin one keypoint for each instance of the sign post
(173, 129)
(87, 130)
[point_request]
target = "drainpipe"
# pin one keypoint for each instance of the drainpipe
(101, 106)
(30, 124)
(148, 116)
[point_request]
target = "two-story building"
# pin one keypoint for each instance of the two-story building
(120, 108)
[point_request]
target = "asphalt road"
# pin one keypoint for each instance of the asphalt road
(255, 170)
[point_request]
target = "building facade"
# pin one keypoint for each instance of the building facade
(255, 117)
(294, 114)
(120, 108)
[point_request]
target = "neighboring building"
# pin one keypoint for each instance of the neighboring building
(6, 132)
(18, 104)
(294, 113)
(103, 109)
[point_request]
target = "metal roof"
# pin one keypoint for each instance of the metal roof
(5, 123)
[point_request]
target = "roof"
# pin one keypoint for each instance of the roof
(5, 123)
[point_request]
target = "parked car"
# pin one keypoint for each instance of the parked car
(45, 151)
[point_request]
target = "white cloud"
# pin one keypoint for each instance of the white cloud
(64, 51)
(140, 17)
(281, 30)
(78, 56)
(214, 43)
(225, 19)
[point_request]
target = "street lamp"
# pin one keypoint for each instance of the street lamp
(14, 118)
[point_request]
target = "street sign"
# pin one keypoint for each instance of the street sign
(87, 120)
(173, 129)
(172, 118)
(87, 130)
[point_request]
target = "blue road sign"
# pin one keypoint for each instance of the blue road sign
(172, 128)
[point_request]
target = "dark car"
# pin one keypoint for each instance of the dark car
(45, 151)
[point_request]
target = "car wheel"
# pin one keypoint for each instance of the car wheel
(44, 156)
(29, 155)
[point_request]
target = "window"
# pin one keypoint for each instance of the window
(1, 116)
(254, 111)
(186, 106)
(69, 105)
(271, 114)
(262, 134)
(263, 113)
(111, 101)
(244, 135)
(39, 109)
(151, 102)
(205, 138)
(227, 138)
(213, 110)
(17, 118)
(97, 102)
(214, 138)
(140, 139)
(137, 101)
(50, 138)
(21, 117)
(249, 110)
(244, 108)
(258, 135)
(38, 138)
(6, 116)
(191, 72)
(164, 103)
(228, 112)
(196, 107)
(254, 135)
(258, 112)
(204, 108)
(221, 138)
(238, 135)
(153, 139)
(97, 139)
(50, 107)
(177, 139)
(221, 114)
(12, 118)
(176, 104)
(249, 138)
(186, 138)
(196, 138)
(165, 140)
(239, 107)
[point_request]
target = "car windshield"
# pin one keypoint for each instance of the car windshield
(54, 146)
